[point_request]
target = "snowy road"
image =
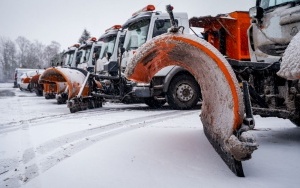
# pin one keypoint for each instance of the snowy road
(43, 145)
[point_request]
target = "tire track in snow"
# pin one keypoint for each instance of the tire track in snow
(45, 156)
(14, 126)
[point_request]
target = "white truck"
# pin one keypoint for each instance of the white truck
(18, 74)
(69, 57)
(89, 51)
(172, 84)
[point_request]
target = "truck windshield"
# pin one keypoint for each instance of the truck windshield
(108, 45)
(87, 54)
(69, 58)
(271, 3)
(65, 59)
(79, 56)
(137, 34)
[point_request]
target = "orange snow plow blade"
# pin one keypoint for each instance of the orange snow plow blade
(50, 87)
(64, 77)
(222, 108)
(26, 80)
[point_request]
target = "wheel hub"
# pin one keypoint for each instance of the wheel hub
(184, 92)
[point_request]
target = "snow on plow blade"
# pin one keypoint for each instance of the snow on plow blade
(222, 109)
(290, 67)
(64, 77)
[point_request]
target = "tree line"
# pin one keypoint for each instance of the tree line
(23, 53)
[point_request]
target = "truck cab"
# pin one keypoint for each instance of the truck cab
(172, 84)
(274, 24)
(145, 25)
(90, 50)
(69, 57)
(108, 63)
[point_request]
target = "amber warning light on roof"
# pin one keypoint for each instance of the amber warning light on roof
(145, 9)
(115, 27)
(75, 45)
(94, 39)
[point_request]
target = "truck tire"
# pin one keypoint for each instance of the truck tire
(153, 103)
(296, 119)
(61, 100)
(38, 92)
(29, 88)
(183, 92)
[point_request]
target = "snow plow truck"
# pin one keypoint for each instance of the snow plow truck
(55, 86)
(247, 65)
(172, 84)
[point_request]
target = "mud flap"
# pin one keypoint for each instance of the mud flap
(222, 109)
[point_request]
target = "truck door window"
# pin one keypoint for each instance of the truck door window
(137, 34)
(161, 27)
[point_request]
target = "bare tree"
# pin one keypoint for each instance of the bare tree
(27, 55)
(24, 47)
(51, 53)
(7, 58)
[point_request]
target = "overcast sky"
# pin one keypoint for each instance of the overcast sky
(64, 20)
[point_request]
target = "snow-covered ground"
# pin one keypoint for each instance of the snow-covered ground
(42, 145)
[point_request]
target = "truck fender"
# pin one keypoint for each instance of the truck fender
(170, 76)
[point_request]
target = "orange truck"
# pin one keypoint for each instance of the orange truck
(254, 44)
(227, 33)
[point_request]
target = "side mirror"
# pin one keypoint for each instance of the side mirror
(256, 12)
